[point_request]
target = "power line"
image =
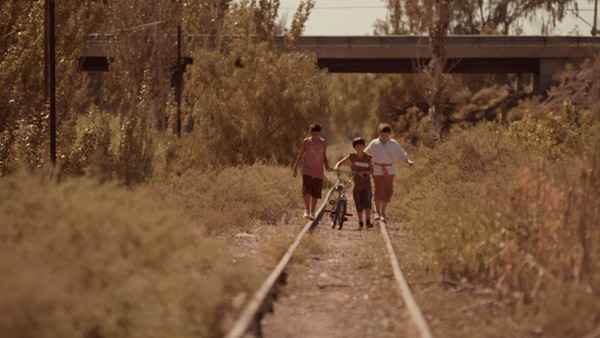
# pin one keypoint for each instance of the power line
(579, 17)
(316, 8)
(339, 8)
(142, 26)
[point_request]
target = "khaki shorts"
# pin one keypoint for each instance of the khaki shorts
(384, 187)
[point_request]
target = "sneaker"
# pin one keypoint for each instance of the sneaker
(377, 217)
(312, 216)
(369, 224)
(382, 218)
(306, 214)
(360, 226)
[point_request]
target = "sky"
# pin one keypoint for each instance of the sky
(356, 17)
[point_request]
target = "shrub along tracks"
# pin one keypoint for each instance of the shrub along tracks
(341, 284)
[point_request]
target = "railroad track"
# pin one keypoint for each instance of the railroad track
(261, 303)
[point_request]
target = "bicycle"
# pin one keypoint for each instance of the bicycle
(339, 211)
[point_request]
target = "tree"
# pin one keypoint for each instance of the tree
(300, 18)
(439, 18)
(473, 16)
(438, 32)
(23, 120)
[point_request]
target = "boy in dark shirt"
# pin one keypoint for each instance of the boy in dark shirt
(362, 169)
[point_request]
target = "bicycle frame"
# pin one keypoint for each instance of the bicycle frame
(339, 204)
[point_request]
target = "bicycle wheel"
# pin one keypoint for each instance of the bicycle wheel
(341, 213)
(334, 214)
(333, 219)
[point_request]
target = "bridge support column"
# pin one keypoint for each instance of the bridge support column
(548, 69)
(95, 82)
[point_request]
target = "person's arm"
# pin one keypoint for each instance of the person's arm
(403, 155)
(300, 155)
(369, 148)
(371, 167)
(343, 161)
(325, 160)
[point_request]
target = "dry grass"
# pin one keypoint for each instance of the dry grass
(312, 246)
(81, 259)
(234, 197)
(276, 246)
(494, 211)
(515, 209)
(370, 254)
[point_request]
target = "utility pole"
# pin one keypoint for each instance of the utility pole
(50, 72)
(595, 26)
(179, 80)
(46, 51)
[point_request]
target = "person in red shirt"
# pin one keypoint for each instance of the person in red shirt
(313, 154)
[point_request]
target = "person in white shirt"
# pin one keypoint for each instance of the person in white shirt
(385, 152)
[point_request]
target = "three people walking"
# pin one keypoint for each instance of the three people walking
(378, 159)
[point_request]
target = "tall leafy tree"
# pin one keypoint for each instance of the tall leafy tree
(473, 16)
(439, 18)
(23, 119)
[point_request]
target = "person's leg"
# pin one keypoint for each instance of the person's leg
(307, 199)
(368, 206)
(306, 194)
(316, 189)
(358, 205)
(384, 210)
(389, 191)
(361, 222)
(379, 194)
(378, 204)
(313, 207)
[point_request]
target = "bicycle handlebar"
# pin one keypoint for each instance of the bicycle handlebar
(349, 172)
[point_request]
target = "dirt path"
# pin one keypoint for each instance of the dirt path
(340, 286)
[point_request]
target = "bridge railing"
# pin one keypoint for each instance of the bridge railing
(451, 40)
(388, 46)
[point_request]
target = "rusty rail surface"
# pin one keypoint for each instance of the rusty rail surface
(403, 288)
(257, 307)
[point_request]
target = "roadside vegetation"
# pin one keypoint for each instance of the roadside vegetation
(83, 259)
(120, 238)
(514, 207)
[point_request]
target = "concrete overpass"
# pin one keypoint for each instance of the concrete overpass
(467, 54)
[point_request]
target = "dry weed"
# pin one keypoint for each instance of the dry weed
(496, 212)
(370, 253)
(311, 247)
(514, 209)
(235, 196)
(81, 259)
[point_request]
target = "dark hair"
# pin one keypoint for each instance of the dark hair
(358, 140)
(385, 128)
(315, 127)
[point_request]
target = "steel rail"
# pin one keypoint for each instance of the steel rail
(251, 311)
(403, 287)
